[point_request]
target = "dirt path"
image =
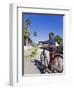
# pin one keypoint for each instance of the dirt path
(29, 67)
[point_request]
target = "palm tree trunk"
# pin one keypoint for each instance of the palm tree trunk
(26, 41)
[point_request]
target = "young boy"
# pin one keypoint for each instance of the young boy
(52, 49)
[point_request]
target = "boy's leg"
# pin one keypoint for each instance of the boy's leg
(51, 58)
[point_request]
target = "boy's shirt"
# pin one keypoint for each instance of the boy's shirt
(51, 42)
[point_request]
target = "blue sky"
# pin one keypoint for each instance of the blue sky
(43, 25)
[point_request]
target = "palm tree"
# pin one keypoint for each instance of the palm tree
(28, 22)
(26, 36)
(27, 31)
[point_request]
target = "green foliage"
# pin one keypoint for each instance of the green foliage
(28, 21)
(34, 52)
(59, 40)
(27, 32)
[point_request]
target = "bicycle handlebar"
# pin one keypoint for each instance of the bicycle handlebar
(59, 49)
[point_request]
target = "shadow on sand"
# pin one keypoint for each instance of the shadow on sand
(40, 66)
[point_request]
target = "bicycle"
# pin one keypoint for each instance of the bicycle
(58, 67)
(43, 58)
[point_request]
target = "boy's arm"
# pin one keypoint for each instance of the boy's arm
(43, 42)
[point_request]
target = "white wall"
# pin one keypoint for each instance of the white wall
(4, 48)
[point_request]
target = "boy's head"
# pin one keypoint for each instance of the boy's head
(51, 35)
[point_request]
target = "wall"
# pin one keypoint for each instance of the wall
(4, 47)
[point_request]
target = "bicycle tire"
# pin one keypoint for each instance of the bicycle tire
(43, 59)
(59, 66)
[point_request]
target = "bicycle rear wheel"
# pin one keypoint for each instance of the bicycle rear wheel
(58, 66)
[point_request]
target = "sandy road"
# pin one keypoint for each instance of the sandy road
(30, 67)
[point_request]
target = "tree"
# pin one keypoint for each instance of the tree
(28, 22)
(59, 40)
(27, 31)
(26, 36)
